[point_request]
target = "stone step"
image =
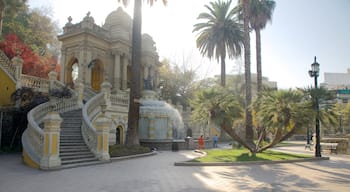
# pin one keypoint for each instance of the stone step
(76, 156)
(73, 149)
(72, 153)
(71, 132)
(71, 142)
(80, 160)
(80, 164)
(77, 144)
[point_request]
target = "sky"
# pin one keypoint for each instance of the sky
(299, 31)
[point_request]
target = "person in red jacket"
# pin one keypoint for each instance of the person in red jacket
(201, 142)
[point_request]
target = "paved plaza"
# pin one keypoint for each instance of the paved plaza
(157, 173)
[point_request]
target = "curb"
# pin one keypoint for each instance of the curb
(112, 159)
(185, 163)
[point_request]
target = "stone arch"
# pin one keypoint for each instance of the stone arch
(119, 135)
(97, 73)
(69, 69)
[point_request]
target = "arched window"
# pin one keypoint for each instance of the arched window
(75, 72)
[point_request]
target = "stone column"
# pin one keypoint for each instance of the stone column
(63, 65)
(124, 72)
(102, 125)
(116, 78)
(170, 129)
(79, 87)
(151, 128)
(52, 77)
(50, 158)
(106, 89)
(18, 63)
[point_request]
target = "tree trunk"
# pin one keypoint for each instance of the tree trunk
(223, 71)
(248, 99)
(134, 105)
(2, 8)
(258, 60)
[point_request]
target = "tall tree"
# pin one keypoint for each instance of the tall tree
(135, 89)
(247, 75)
(34, 27)
(220, 34)
(260, 13)
(10, 7)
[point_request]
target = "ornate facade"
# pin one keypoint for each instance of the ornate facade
(92, 54)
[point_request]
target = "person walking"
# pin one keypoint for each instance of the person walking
(215, 141)
(201, 142)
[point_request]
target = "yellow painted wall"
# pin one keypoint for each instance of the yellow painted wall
(28, 161)
(7, 87)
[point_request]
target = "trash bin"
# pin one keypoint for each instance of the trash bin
(174, 146)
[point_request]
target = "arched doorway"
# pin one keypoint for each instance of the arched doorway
(72, 70)
(119, 135)
(96, 74)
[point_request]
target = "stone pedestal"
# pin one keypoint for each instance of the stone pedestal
(51, 151)
(102, 125)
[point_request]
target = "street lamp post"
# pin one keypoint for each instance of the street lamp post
(314, 72)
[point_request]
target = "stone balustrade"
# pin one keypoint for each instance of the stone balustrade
(119, 99)
(90, 110)
(7, 65)
(37, 83)
(36, 141)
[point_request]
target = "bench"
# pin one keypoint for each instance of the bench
(331, 147)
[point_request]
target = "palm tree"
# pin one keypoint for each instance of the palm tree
(282, 113)
(260, 13)
(134, 106)
(247, 76)
(219, 34)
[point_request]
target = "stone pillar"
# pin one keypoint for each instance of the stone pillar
(79, 87)
(52, 77)
(102, 125)
(18, 63)
(106, 89)
(151, 128)
(63, 65)
(116, 78)
(170, 129)
(125, 72)
(50, 158)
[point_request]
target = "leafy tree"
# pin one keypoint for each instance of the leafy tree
(328, 114)
(344, 118)
(220, 34)
(10, 8)
(177, 84)
(134, 106)
(32, 65)
(35, 28)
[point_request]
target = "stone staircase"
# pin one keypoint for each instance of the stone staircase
(73, 150)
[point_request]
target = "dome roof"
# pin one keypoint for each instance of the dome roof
(147, 43)
(119, 23)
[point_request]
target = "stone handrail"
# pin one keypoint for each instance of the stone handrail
(6, 64)
(37, 83)
(33, 136)
(119, 99)
(88, 93)
(90, 110)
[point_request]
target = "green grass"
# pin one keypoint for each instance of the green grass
(121, 150)
(241, 155)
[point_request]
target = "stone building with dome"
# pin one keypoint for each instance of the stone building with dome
(91, 53)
